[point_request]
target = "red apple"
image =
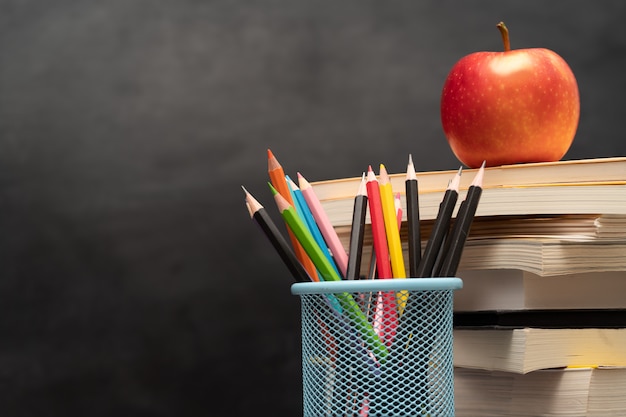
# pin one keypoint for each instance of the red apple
(510, 107)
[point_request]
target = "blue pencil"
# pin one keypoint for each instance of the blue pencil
(303, 210)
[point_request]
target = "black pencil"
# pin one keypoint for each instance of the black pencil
(413, 218)
(355, 248)
(440, 228)
(262, 218)
(462, 225)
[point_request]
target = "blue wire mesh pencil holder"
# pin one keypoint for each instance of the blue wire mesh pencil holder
(377, 347)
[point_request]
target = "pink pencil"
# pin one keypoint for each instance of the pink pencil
(328, 231)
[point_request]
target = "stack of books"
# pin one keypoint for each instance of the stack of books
(540, 324)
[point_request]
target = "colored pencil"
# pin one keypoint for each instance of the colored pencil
(393, 221)
(277, 178)
(387, 327)
(404, 335)
(379, 237)
(462, 225)
(357, 232)
(413, 218)
(267, 225)
(351, 308)
(391, 225)
(440, 228)
(328, 231)
(303, 210)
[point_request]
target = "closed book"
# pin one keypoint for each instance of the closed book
(565, 392)
(564, 187)
(523, 350)
(515, 289)
(604, 318)
(542, 255)
(578, 171)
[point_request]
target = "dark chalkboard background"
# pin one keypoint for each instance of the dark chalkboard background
(132, 281)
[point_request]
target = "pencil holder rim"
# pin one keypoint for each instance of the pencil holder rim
(409, 284)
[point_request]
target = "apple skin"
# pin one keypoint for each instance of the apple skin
(510, 107)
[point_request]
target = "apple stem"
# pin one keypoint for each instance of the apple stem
(505, 36)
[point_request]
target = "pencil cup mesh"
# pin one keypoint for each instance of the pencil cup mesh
(394, 360)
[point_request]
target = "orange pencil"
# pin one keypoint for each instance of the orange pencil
(279, 182)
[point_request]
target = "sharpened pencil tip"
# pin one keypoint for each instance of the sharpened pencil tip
(478, 179)
(383, 175)
(370, 175)
(272, 162)
(362, 186)
(244, 189)
(303, 183)
(410, 170)
(454, 183)
(291, 183)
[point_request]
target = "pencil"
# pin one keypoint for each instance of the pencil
(277, 178)
(398, 206)
(357, 232)
(413, 218)
(326, 227)
(379, 237)
(405, 337)
(440, 228)
(267, 225)
(391, 225)
(462, 225)
(305, 214)
(386, 327)
(351, 308)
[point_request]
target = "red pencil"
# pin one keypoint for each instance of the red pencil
(385, 319)
(379, 236)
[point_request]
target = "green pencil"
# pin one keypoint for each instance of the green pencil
(324, 267)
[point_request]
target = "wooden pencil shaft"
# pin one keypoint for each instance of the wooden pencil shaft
(437, 234)
(327, 230)
(460, 232)
(445, 245)
(309, 244)
(306, 215)
(352, 309)
(413, 219)
(281, 245)
(357, 233)
(379, 236)
(394, 244)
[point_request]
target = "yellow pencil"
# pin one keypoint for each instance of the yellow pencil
(393, 233)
